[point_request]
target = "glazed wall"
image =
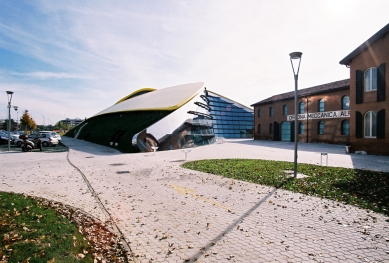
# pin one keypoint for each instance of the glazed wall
(229, 119)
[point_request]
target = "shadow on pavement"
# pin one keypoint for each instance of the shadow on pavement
(305, 147)
(88, 147)
(238, 221)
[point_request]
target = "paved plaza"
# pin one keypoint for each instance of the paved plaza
(170, 214)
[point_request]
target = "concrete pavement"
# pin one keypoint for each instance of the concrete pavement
(170, 214)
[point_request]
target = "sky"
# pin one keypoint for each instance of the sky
(73, 59)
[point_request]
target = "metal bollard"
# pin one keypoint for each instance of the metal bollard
(321, 158)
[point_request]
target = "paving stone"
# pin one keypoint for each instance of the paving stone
(170, 214)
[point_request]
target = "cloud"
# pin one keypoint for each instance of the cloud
(53, 75)
(89, 54)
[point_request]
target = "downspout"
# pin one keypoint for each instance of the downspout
(307, 120)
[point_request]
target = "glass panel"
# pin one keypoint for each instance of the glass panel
(285, 131)
(345, 127)
(373, 124)
(367, 124)
(321, 127)
(374, 79)
(321, 105)
(346, 103)
(301, 107)
(367, 80)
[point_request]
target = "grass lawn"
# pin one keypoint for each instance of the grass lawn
(30, 232)
(362, 188)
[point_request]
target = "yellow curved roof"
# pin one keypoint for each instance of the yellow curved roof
(135, 93)
(167, 99)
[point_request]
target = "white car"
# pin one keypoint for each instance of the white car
(52, 134)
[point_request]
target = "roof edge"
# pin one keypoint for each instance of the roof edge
(248, 107)
(134, 93)
(299, 95)
(377, 36)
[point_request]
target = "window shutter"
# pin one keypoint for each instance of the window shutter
(358, 126)
(276, 131)
(381, 82)
(381, 124)
(359, 86)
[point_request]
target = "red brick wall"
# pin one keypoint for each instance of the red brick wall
(374, 56)
(332, 127)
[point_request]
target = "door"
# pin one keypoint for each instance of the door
(285, 131)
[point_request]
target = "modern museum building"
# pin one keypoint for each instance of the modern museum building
(182, 116)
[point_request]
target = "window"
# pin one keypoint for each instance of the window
(271, 128)
(345, 127)
(371, 79)
(301, 126)
(321, 105)
(259, 129)
(320, 127)
(259, 113)
(285, 110)
(179, 143)
(370, 122)
(301, 108)
(271, 111)
(345, 103)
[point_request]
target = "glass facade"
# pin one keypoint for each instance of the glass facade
(229, 119)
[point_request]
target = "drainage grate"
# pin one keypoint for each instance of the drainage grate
(123, 172)
(117, 164)
(90, 157)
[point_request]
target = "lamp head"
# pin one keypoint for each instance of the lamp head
(16, 107)
(295, 55)
(9, 95)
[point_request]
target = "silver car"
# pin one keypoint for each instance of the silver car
(52, 134)
(47, 139)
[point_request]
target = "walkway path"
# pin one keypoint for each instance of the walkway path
(170, 214)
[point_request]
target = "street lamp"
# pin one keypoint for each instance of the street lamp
(9, 95)
(17, 116)
(295, 58)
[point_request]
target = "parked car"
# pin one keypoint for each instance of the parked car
(3, 137)
(16, 139)
(47, 139)
(53, 134)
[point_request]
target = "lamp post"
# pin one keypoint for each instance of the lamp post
(295, 57)
(43, 126)
(9, 95)
(17, 116)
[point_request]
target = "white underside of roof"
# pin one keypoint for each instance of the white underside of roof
(169, 98)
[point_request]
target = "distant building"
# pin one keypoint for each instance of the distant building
(177, 117)
(72, 122)
(323, 115)
(369, 91)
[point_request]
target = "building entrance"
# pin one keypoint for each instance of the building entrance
(285, 131)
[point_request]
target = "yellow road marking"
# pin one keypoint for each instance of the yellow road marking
(183, 191)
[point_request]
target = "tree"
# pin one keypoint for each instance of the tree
(13, 124)
(27, 122)
(32, 125)
(62, 126)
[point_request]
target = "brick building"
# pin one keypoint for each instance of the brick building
(369, 105)
(323, 115)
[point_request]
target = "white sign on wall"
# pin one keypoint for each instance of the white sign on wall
(321, 115)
